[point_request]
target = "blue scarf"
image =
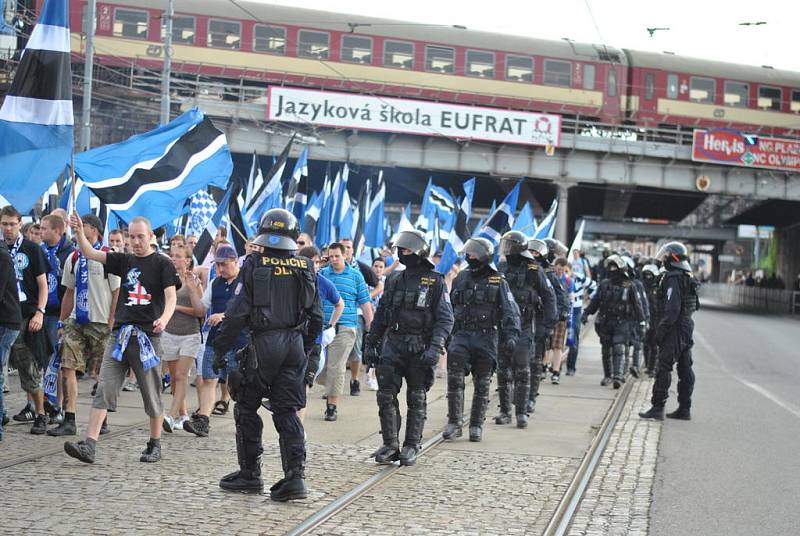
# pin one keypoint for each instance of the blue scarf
(82, 288)
(53, 274)
(147, 354)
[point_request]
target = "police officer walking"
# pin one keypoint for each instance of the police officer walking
(406, 339)
(277, 299)
(651, 279)
(535, 298)
(637, 329)
(546, 317)
(483, 307)
(674, 333)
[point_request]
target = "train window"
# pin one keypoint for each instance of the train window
(270, 39)
(736, 94)
(131, 24)
(649, 86)
(480, 64)
(588, 76)
(182, 30)
(702, 89)
(795, 104)
(224, 34)
(397, 54)
(611, 89)
(769, 98)
(672, 86)
(557, 73)
(519, 68)
(356, 49)
(440, 59)
(313, 45)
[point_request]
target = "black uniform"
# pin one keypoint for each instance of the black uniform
(673, 335)
(535, 298)
(637, 329)
(618, 303)
(483, 306)
(413, 311)
(277, 299)
(544, 330)
(652, 286)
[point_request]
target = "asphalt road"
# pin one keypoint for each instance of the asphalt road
(735, 468)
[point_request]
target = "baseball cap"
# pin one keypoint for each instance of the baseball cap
(94, 221)
(225, 253)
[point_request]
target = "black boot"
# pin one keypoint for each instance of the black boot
(504, 387)
(480, 399)
(522, 420)
(455, 404)
(655, 413)
(65, 428)
(619, 360)
(389, 452)
(522, 386)
(607, 368)
(248, 478)
(536, 377)
(293, 485)
(682, 414)
(415, 423)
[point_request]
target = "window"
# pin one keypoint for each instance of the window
(702, 89)
(480, 64)
(612, 81)
(672, 86)
(397, 54)
(131, 24)
(795, 104)
(519, 69)
(649, 86)
(588, 76)
(558, 73)
(769, 98)
(313, 45)
(182, 30)
(270, 39)
(736, 94)
(224, 34)
(440, 59)
(356, 49)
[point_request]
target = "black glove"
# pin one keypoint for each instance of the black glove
(430, 357)
(584, 319)
(371, 354)
(219, 363)
(313, 365)
(508, 346)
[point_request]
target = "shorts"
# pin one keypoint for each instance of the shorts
(176, 346)
(333, 375)
(205, 362)
(355, 353)
(83, 345)
(22, 359)
(559, 338)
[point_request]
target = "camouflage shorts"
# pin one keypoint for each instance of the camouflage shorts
(82, 345)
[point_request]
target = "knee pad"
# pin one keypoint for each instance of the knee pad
(387, 378)
(505, 375)
(416, 399)
(522, 375)
(385, 398)
(287, 424)
(618, 350)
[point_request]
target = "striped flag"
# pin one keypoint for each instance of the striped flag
(153, 174)
(269, 195)
(375, 229)
(300, 170)
(36, 118)
(460, 232)
(548, 224)
(311, 216)
(502, 219)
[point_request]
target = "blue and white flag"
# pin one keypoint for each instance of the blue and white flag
(459, 234)
(36, 118)
(254, 182)
(201, 208)
(311, 217)
(300, 171)
(547, 227)
(153, 174)
(525, 221)
(503, 218)
(374, 232)
(269, 195)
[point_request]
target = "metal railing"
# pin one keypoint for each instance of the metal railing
(751, 298)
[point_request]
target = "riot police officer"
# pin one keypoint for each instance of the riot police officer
(637, 329)
(650, 279)
(618, 303)
(674, 333)
(277, 299)
(483, 306)
(544, 327)
(407, 337)
(536, 300)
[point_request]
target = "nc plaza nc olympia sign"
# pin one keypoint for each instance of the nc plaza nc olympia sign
(734, 148)
(363, 112)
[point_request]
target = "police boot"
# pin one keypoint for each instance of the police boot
(415, 422)
(387, 413)
(504, 381)
(293, 458)
(682, 413)
(522, 379)
(455, 405)
(655, 413)
(248, 478)
(619, 365)
(536, 378)
(606, 358)
(480, 399)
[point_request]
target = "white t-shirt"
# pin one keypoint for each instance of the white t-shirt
(100, 289)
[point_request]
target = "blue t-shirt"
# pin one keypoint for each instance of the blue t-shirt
(353, 290)
(327, 291)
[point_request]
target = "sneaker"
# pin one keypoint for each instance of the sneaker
(635, 372)
(6, 390)
(26, 414)
(104, 428)
(570, 372)
(39, 425)
(355, 388)
(63, 429)
(81, 450)
(179, 422)
(57, 417)
(555, 379)
(168, 424)
(605, 381)
(372, 384)
(129, 386)
(330, 413)
(151, 453)
(197, 426)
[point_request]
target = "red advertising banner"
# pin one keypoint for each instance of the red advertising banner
(734, 148)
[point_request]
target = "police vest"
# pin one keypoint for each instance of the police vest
(690, 302)
(475, 301)
(410, 299)
(276, 304)
(615, 299)
(525, 295)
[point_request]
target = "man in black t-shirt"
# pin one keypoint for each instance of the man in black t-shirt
(30, 352)
(147, 299)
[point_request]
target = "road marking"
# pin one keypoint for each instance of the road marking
(766, 393)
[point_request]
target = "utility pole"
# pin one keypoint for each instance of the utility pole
(88, 68)
(166, 73)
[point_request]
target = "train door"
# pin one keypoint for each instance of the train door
(611, 99)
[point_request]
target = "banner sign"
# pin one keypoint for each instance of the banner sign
(364, 112)
(734, 148)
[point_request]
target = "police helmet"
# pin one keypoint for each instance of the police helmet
(278, 230)
(479, 249)
(515, 243)
(555, 248)
(414, 241)
(615, 260)
(650, 269)
(538, 246)
(675, 255)
(629, 261)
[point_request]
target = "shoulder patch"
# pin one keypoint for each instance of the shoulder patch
(495, 279)
(238, 288)
(533, 266)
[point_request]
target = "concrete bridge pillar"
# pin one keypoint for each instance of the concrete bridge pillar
(562, 232)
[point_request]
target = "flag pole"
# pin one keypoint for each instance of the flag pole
(240, 233)
(86, 107)
(74, 184)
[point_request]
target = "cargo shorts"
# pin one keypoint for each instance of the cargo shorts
(83, 345)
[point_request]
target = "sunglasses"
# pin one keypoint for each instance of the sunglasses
(301, 243)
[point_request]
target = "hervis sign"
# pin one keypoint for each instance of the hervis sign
(731, 147)
(363, 112)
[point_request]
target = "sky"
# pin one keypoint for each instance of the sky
(701, 28)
